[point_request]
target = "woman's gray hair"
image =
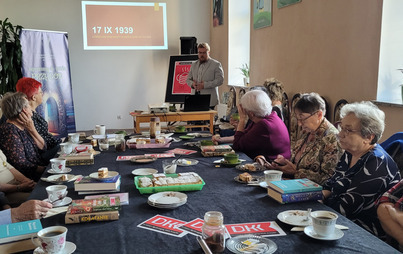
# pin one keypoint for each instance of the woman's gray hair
(372, 119)
(257, 102)
(12, 104)
(311, 103)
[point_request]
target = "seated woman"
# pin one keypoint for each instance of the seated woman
(390, 213)
(316, 153)
(365, 171)
(15, 185)
(275, 90)
(19, 140)
(33, 90)
(267, 135)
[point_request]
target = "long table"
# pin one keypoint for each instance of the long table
(178, 117)
(238, 202)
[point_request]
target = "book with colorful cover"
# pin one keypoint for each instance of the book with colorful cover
(89, 217)
(19, 230)
(284, 198)
(218, 148)
(87, 183)
(124, 197)
(294, 186)
(79, 206)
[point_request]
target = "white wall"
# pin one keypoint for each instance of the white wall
(111, 83)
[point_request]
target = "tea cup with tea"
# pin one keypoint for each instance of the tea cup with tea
(66, 148)
(74, 138)
(103, 144)
(231, 158)
(56, 193)
(169, 167)
(51, 240)
(323, 222)
(272, 175)
(100, 129)
(58, 165)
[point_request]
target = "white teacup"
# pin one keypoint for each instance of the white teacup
(51, 240)
(103, 144)
(74, 138)
(323, 222)
(58, 164)
(169, 167)
(272, 175)
(100, 129)
(56, 193)
(66, 148)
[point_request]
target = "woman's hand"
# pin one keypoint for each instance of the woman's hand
(27, 185)
(216, 139)
(25, 119)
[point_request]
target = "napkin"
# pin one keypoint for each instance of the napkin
(56, 210)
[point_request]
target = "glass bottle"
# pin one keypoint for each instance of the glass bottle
(213, 231)
(155, 127)
(120, 143)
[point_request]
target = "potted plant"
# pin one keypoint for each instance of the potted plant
(245, 72)
(10, 56)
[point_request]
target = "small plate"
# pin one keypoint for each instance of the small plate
(68, 249)
(167, 198)
(257, 167)
(64, 202)
(294, 218)
(337, 234)
(143, 160)
(251, 244)
(254, 180)
(58, 178)
(185, 137)
(66, 170)
(144, 171)
(111, 174)
(186, 162)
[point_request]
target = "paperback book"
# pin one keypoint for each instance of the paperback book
(80, 206)
(294, 186)
(218, 148)
(19, 230)
(89, 217)
(87, 183)
(123, 196)
(284, 198)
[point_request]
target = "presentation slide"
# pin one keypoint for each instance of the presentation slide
(124, 25)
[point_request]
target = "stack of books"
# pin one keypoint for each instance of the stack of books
(98, 209)
(88, 185)
(75, 159)
(294, 190)
(219, 150)
(16, 237)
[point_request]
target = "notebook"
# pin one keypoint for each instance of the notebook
(199, 102)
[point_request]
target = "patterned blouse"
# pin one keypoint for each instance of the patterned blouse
(355, 190)
(394, 196)
(41, 127)
(20, 149)
(319, 157)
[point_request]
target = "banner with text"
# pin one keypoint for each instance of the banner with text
(46, 58)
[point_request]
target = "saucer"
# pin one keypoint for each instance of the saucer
(68, 248)
(186, 137)
(66, 170)
(337, 234)
(111, 174)
(64, 202)
(144, 171)
(226, 164)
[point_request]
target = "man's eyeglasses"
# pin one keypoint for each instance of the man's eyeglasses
(346, 130)
(302, 120)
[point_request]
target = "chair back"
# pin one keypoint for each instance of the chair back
(336, 111)
(295, 130)
(286, 110)
(394, 147)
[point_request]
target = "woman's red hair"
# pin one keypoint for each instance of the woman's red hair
(29, 86)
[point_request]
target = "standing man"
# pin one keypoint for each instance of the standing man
(206, 75)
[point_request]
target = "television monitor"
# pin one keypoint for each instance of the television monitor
(177, 89)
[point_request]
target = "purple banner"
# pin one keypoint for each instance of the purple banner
(45, 57)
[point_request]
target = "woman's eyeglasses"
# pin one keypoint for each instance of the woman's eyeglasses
(345, 130)
(302, 120)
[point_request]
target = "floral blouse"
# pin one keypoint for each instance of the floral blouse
(41, 127)
(355, 190)
(394, 196)
(20, 149)
(319, 157)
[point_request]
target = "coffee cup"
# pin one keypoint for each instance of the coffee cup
(74, 138)
(272, 175)
(103, 144)
(100, 129)
(58, 164)
(56, 193)
(169, 167)
(231, 158)
(323, 222)
(66, 148)
(51, 240)
(180, 128)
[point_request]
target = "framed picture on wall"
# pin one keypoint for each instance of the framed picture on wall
(218, 9)
(284, 3)
(262, 13)
(179, 67)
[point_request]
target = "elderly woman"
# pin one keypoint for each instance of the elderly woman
(316, 153)
(33, 90)
(365, 171)
(19, 140)
(267, 135)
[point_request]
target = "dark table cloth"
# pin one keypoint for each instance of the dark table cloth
(238, 202)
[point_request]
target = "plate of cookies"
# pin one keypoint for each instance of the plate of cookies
(248, 178)
(252, 167)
